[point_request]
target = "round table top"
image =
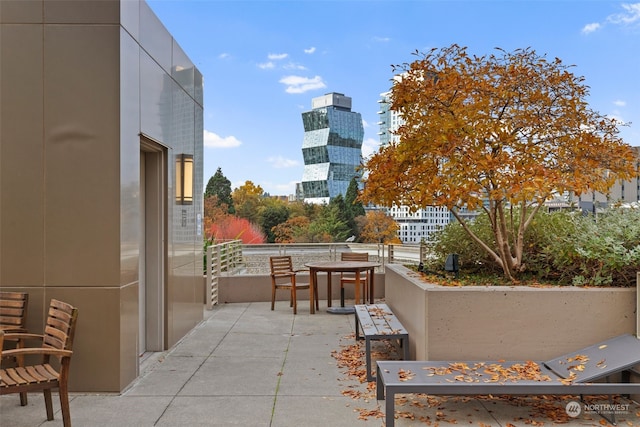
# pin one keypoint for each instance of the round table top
(342, 265)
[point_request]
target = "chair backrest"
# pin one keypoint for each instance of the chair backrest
(13, 311)
(354, 256)
(280, 264)
(60, 328)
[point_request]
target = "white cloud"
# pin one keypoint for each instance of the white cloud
(365, 124)
(267, 65)
(213, 140)
(369, 147)
(590, 28)
(224, 55)
(277, 56)
(310, 50)
(299, 84)
(629, 17)
(381, 39)
(620, 103)
(280, 162)
(294, 66)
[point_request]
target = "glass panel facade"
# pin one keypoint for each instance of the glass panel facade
(332, 148)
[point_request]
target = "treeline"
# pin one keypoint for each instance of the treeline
(250, 214)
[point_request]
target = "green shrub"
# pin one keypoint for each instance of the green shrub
(604, 250)
(563, 247)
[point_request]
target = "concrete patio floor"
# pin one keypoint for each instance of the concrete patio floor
(246, 365)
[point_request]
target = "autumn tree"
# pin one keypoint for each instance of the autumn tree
(501, 133)
(233, 228)
(293, 230)
(353, 205)
(378, 227)
(247, 200)
(213, 212)
(274, 212)
(220, 186)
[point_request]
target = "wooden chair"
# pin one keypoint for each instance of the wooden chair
(56, 341)
(350, 278)
(13, 311)
(283, 276)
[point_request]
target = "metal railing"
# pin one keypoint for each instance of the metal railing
(235, 258)
(225, 257)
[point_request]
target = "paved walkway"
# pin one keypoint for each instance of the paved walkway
(246, 365)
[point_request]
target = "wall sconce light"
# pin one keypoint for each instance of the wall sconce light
(184, 179)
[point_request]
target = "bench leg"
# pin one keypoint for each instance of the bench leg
(379, 385)
(405, 343)
(389, 399)
(389, 408)
(368, 357)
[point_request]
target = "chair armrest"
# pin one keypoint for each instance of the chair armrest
(288, 274)
(37, 351)
(14, 336)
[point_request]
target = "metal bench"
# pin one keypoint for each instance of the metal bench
(379, 323)
(570, 374)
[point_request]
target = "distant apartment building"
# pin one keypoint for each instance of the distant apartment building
(416, 226)
(622, 192)
(331, 149)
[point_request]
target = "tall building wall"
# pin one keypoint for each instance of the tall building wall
(416, 226)
(98, 101)
(332, 147)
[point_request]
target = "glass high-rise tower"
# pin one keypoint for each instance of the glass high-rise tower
(332, 147)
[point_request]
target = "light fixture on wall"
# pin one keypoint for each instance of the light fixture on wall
(184, 179)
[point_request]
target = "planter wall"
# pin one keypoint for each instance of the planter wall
(512, 323)
(257, 288)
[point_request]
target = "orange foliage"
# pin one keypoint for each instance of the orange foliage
(231, 227)
(500, 132)
(378, 227)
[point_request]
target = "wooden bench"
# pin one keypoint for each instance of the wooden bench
(378, 322)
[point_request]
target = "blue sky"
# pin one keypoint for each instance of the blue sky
(264, 60)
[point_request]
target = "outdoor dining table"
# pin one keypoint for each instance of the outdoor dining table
(357, 267)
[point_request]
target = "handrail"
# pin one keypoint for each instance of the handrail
(221, 258)
(233, 258)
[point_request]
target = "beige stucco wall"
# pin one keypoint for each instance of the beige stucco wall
(257, 288)
(513, 323)
(80, 82)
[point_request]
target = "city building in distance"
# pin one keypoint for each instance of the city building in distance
(413, 226)
(331, 149)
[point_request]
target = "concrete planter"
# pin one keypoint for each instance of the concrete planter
(506, 322)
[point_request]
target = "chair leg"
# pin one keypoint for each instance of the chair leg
(341, 296)
(23, 399)
(64, 406)
(273, 297)
(293, 300)
(48, 404)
